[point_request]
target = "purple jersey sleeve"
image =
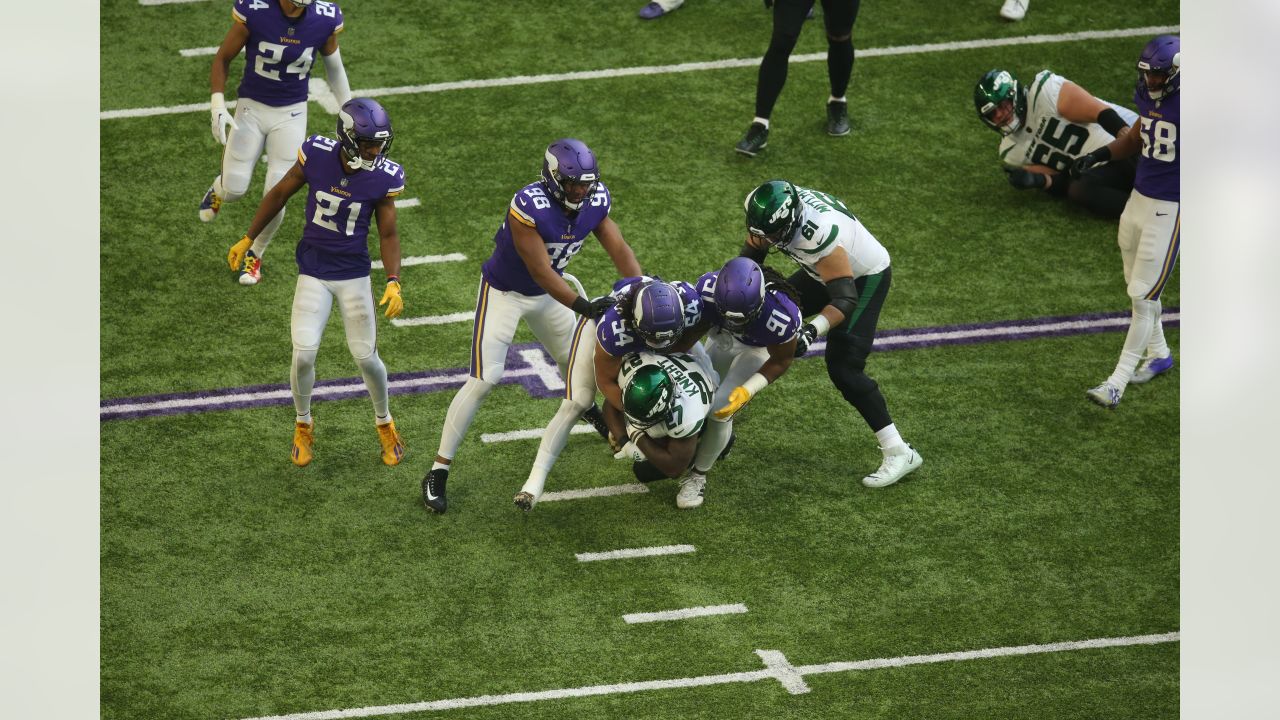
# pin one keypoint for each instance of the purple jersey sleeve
(562, 232)
(281, 50)
(340, 210)
(706, 287)
(1158, 161)
(776, 324)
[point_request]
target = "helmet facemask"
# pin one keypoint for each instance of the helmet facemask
(773, 212)
(364, 125)
(1161, 58)
(567, 162)
(999, 93)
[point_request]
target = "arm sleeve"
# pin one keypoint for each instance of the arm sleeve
(336, 75)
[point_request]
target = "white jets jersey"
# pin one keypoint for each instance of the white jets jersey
(826, 224)
(695, 385)
(1049, 139)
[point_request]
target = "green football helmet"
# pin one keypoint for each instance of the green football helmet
(773, 211)
(993, 89)
(648, 397)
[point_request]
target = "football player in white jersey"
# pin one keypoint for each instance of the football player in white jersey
(1045, 126)
(843, 280)
(666, 400)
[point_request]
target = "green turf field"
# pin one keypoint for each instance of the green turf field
(235, 585)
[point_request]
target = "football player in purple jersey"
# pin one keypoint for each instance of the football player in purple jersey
(755, 317)
(351, 182)
(280, 39)
(1148, 235)
(546, 224)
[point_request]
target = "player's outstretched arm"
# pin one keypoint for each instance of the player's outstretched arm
(607, 367)
(1080, 106)
(276, 198)
(623, 257)
(334, 72)
(534, 254)
(389, 249)
(780, 358)
(231, 46)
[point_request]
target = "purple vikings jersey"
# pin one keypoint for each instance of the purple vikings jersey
(1158, 122)
(776, 324)
(339, 209)
(616, 334)
(561, 232)
(280, 49)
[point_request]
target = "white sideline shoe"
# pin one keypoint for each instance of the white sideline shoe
(897, 464)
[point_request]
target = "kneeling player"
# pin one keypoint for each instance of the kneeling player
(666, 400)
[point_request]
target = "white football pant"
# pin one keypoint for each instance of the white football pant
(281, 131)
(734, 361)
(1148, 239)
(312, 302)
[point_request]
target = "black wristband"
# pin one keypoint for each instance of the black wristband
(581, 305)
(1102, 154)
(1111, 121)
(393, 278)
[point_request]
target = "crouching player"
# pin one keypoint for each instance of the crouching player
(666, 400)
(350, 181)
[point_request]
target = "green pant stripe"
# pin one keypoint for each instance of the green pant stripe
(869, 289)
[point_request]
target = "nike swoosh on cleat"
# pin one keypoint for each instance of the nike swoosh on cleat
(430, 496)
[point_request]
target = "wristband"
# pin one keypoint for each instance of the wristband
(1102, 154)
(393, 279)
(755, 384)
(1111, 121)
(217, 101)
(821, 324)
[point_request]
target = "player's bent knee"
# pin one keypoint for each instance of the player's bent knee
(304, 358)
(362, 349)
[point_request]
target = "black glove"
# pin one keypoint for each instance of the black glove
(1082, 165)
(805, 338)
(593, 308)
(1025, 179)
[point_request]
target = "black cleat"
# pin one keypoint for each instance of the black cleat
(837, 119)
(756, 139)
(596, 418)
(433, 490)
(524, 501)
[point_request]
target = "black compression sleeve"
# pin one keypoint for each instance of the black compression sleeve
(844, 295)
(1111, 121)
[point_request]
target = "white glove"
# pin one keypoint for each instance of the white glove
(629, 452)
(221, 118)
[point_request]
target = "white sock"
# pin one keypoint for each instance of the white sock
(437, 465)
(302, 378)
(888, 437)
(305, 419)
(1145, 313)
(1156, 346)
(553, 441)
(375, 381)
(762, 121)
(833, 98)
(714, 439)
(462, 410)
(382, 419)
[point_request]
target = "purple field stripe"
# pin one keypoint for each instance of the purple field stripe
(521, 373)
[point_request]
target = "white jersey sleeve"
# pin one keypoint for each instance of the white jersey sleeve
(1049, 139)
(825, 224)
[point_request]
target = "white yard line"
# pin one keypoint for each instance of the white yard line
(425, 260)
(635, 553)
(778, 670)
(685, 613)
(686, 67)
(530, 434)
(458, 317)
(629, 489)
(198, 52)
(407, 203)
(167, 2)
(318, 91)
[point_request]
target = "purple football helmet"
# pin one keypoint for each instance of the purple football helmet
(569, 161)
(739, 292)
(1162, 57)
(363, 121)
(658, 314)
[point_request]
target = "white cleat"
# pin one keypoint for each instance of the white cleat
(692, 489)
(1106, 395)
(1014, 10)
(898, 462)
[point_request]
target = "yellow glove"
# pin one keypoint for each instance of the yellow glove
(235, 256)
(391, 298)
(737, 399)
